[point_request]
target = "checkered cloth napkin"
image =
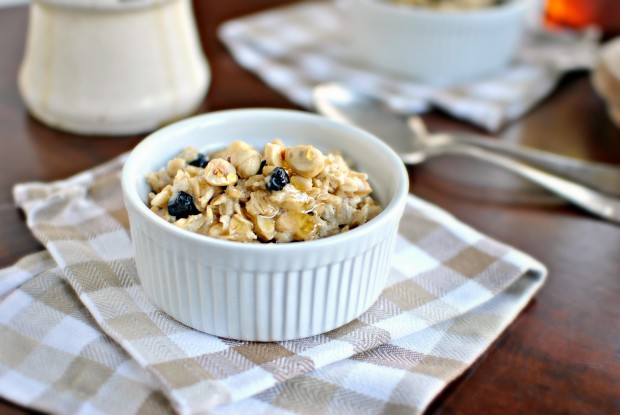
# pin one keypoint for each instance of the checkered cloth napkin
(79, 335)
(293, 48)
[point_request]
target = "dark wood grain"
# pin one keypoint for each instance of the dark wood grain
(562, 355)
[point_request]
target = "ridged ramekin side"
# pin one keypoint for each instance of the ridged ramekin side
(260, 306)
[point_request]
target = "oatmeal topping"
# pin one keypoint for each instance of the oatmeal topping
(283, 194)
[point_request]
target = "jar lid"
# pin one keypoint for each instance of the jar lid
(104, 4)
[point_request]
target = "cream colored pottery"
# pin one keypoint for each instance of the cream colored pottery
(606, 78)
(112, 67)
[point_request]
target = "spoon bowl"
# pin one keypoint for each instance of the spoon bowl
(347, 106)
(338, 102)
(481, 180)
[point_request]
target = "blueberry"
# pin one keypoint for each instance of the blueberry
(262, 164)
(277, 179)
(182, 205)
(201, 161)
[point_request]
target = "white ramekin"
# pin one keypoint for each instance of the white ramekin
(435, 46)
(264, 292)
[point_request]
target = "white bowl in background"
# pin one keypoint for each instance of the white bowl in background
(438, 46)
(264, 292)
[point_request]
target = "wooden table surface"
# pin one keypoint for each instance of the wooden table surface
(561, 355)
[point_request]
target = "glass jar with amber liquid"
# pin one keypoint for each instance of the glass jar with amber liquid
(581, 13)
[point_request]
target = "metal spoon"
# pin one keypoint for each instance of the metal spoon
(599, 176)
(337, 102)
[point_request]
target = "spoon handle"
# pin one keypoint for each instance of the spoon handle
(590, 200)
(605, 178)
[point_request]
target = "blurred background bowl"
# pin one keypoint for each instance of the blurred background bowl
(438, 46)
(606, 78)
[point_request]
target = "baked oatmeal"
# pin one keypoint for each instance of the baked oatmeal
(282, 194)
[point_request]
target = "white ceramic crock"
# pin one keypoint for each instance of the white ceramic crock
(112, 67)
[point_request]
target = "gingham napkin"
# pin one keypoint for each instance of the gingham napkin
(293, 48)
(103, 346)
